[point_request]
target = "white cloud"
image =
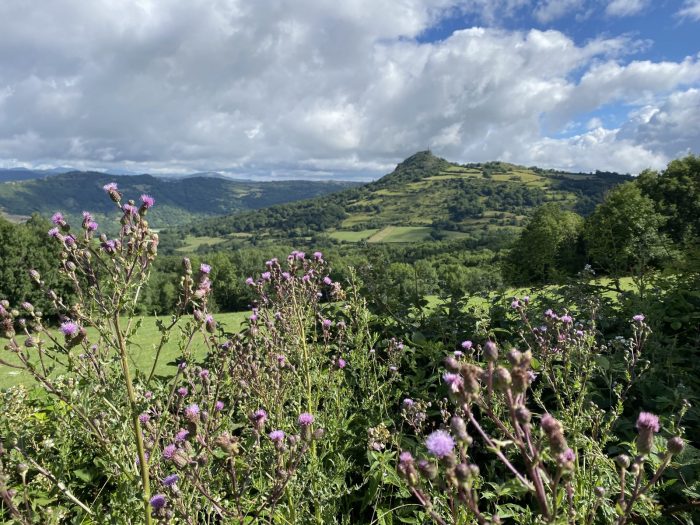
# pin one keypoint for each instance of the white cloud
(690, 9)
(549, 10)
(626, 7)
(320, 85)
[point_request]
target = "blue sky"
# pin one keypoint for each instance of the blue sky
(321, 88)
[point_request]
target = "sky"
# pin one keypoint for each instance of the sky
(347, 88)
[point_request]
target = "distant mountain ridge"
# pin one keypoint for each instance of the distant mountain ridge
(425, 196)
(179, 201)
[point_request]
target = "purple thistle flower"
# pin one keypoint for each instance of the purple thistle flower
(204, 268)
(276, 435)
(69, 328)
(69, 240)
(158, 501)
(440, 443)
(171, 480)
(182, 391)
(169, 451)
(192, 412)
(259, 416)
(218, 406)
(249, 281)
(408, 403)
(112, 186)
(91, 226)
(327, 323)
(181, 435)
(639, 318)
(286, 276)
(568, 455)
(318, 256)
(467, 345)
(204, 374)
(57, 219)
(148, 395)
(129, 209)
(454, 381)
(253, 318)
(458, 353)
(566, 319)
(305, 419)
(87, 216)
(341, 363)
(53, 232)
(266, 276)
(515, 304)
(144, 418)
(327, 280)
(405, 458)
(147, 201)
(648, 421)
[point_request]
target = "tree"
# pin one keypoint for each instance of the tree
(622, 235)
(547, 248)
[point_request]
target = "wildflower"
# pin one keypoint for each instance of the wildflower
(305, 419)
(647, 426)
(276, 436)
(204, 374)
(57, 219)
(457, 354)
(639, 318)
(454, 381)
(91, 226)
(286, 276)
(408, 403)
(467, 345)
(144, 418)
(204, 268)
(158, 501)
(327, 323)
(192, 413)
(181, 435)
(169, 451)
(318, 256)
(266, 276)
(130, 209)
(147, 201)
(327, 280)
(218, 406)
(515, 304)
(53, 232)
(440, 444)
(69, 328)
(182, 391)
(249, 281)
(566, 319)
(171, 480)
(210, 324)
(112, 186)
(341, 363)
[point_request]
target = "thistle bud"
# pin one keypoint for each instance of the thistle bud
(502, 379)
(523, 415)
(623, 461)
(187, 265)
(451, 364)
(490, 351)
(459, 428)
(514, 357)
(675, 445)
(36, 277)
(428, 469)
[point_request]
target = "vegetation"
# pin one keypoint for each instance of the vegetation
(406, 383)
(180, 201)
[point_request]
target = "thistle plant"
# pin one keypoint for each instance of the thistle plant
(534, 412)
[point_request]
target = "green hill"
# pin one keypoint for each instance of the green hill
(179, 201)
(424, 197)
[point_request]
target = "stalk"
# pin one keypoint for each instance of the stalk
(143, 463)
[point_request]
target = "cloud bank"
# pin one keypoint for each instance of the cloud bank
(292, 86)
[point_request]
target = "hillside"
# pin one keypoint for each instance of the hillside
(424, 197)
(178, 201)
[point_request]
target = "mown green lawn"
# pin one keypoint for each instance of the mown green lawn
(142, 351)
